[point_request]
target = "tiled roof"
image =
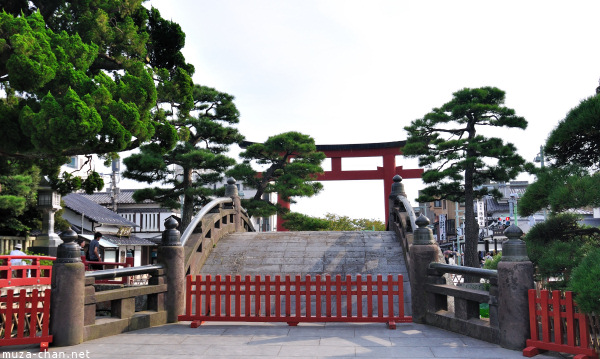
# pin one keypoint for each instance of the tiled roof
(125, 196)
(79, 204)
(494, 206)
(128, 241)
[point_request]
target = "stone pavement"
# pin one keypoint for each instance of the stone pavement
(263, 340)
(293, 253)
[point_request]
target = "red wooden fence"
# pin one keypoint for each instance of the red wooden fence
(33, 273)
(295, 300)
(24, 319)
(563, 328)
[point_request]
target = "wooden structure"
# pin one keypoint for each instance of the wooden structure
(295, 300)
(556, 324)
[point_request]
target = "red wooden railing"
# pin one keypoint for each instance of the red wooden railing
(563, 328)
(295, 300)
(33, 273)
(24, 319)
(24, 315)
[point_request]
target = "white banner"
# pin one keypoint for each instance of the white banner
(442, 225)
(480, 213)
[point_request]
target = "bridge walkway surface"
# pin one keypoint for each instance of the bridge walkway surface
(291, 253)
(278, 340)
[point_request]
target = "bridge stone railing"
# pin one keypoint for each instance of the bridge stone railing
(75, 298)
(217, 219)
(434, 302)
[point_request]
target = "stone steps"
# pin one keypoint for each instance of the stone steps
(309, 253)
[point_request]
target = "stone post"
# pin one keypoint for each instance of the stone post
(68, 293)
(423, 251)
(397, 190)
(515, 278)
(232, 191)
(171, 255)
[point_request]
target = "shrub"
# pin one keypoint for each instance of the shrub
(556, 247)
(493, 263)
(584, 283)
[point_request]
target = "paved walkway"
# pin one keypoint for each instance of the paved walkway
(307, 340)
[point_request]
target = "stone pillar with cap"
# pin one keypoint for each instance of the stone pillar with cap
(171, 255)
(515, 278)
(232, 191)
(68, 293)
(423, 251)
(397, 190)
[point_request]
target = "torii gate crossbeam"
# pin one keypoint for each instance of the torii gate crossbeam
(387, 150)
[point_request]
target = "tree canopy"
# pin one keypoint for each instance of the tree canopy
(457, 159)
(197, 161)
(572, 179)
(83, 78)
(332, 222)
(576, 139)
(292, 164)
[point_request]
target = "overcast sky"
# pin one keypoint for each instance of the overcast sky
(346, 71)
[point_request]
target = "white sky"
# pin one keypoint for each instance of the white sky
(348, 71)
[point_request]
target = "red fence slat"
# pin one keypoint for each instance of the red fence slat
(25, 318)
(25, 275)
(576, 324)
(303, 292)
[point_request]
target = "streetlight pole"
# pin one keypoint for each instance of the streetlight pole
(540, 158)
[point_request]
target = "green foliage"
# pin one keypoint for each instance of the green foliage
(331, 222)
(295, 221)
(573, 150)
(345, 223)
(88, 77)
(292, 162)
(584, 282)
(556, 247)
(457, 159)
(196, 162)
(576, 139)
(493, 263)
(18, 187)
(561, 189)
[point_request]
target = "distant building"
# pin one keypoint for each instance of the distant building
(148, 215)
(86, 217)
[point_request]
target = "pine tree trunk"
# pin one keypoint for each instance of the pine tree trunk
(471, 228)
(187, 209)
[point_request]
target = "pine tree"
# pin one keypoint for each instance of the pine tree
(197, 162)
(458, 159)
(292, 164)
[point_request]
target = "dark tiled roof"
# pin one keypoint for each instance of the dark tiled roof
(128, 241)
(94, 212)
(494, 206)
(125, 197)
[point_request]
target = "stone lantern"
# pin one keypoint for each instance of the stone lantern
(48, 203)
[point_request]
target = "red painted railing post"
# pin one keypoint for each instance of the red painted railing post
(552, 337)
(210, 295)
(267, 296)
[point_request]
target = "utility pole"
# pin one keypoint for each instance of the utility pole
(114, 195)
(456, 214)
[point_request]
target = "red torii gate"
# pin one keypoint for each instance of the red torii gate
(387, 150)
